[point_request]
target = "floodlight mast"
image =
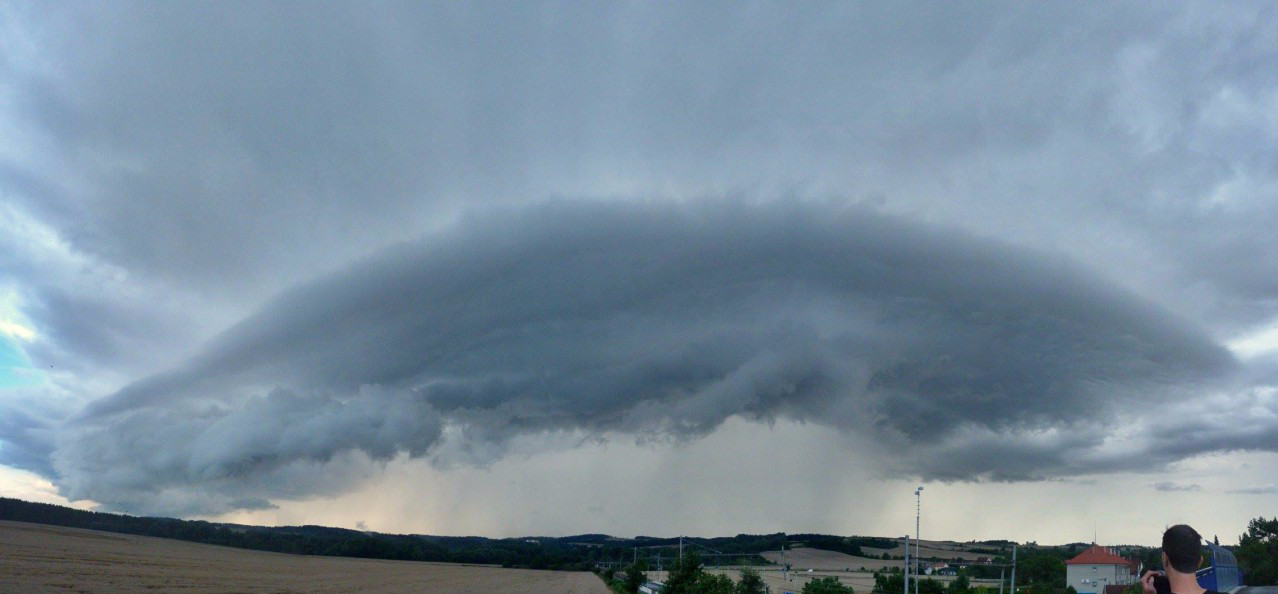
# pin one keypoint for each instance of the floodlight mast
(918, 505)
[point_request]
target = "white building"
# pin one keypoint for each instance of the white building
(1097, 567)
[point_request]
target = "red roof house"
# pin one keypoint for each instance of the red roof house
(1098, 555)
(1097, 568)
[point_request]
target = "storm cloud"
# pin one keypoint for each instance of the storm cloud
(658, 320)
(252, 253)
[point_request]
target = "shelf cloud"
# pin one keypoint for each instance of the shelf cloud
(252, 254)
(657, 320)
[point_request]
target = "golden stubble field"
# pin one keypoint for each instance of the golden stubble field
(930, 549)
(35, 558)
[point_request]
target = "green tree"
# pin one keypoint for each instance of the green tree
(750, 583)
(1040, 588)
(634, 577)
(960, 585)
(683, 575)
(1258, 552)
(1042, 568)
(826, 585)
(713, 584)
(888, 582)
(930, 586)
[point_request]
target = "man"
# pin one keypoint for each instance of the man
(1182, 554)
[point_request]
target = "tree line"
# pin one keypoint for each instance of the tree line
(1041, 569)
(578, 553)
(688, 575)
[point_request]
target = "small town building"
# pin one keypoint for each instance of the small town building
(1097, 567)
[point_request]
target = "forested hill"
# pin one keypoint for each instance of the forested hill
(569, 552)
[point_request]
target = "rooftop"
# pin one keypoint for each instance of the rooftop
(1098, 555)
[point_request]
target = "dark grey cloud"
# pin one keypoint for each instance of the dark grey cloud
(240, 148)
(1242, 419)
(186, 459)
(659, 320)
(169, 169)
(28, 423)
(214, 155)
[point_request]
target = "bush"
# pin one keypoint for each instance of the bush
(889, 582)
(826, 585)
(634, 578)
(750, 583)
(961, 585)
(930, 586)
(712, 584)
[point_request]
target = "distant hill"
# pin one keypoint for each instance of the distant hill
(43, 558)
(579, 552)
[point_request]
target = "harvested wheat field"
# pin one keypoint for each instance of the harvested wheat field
(931, 549)
(805, 558)
(35, 558)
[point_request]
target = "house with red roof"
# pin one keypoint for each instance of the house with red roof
(1097, 567)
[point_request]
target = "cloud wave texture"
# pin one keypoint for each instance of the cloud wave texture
(658, 320)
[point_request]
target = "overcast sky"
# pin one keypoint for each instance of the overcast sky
(637, 268)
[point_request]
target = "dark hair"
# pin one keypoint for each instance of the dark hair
(1183, 547)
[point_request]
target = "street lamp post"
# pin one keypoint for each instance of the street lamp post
(918, 506)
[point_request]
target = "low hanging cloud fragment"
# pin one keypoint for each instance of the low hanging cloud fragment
(654, 319)
(1260, 490)
(181, 460)
(1169, 486)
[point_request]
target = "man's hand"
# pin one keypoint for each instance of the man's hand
(1147, 581)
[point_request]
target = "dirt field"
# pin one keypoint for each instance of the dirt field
(37, 559)
(804, 558)
(932, 549)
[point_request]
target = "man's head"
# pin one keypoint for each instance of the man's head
(1182, 549)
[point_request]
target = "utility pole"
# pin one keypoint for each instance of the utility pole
(1013, 569)
(1002, 578)
(681, 549)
